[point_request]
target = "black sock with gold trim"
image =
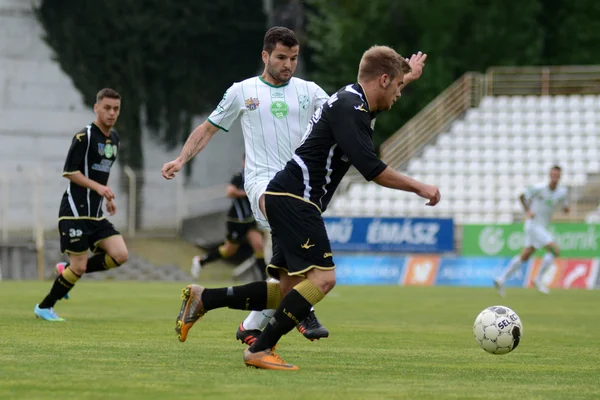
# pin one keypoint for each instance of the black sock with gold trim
(255, 296)
(294, 307)
(100, 262)
(62, 284)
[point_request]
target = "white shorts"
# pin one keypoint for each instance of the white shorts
(254, 190)
(536, 236)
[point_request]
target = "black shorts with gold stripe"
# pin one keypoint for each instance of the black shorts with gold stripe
(78, 235)
(300, 241)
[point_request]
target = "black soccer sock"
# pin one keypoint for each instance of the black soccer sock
(62, 284)
(254, 296)
(294, 307)
(100, 262)
(261, 265)
(212, 255)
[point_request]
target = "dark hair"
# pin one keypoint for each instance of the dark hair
(279, 34)
(107, 92)
(557, 167)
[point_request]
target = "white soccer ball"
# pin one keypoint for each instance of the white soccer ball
(498, 330)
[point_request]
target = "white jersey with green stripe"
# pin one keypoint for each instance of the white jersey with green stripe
(274, 119)
(543, 201)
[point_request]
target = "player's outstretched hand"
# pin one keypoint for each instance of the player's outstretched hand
(417, 63)
(105, 192)
(171, 168)
(111, 207)
(430, 192)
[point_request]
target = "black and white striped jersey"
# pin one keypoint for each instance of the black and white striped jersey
(240, 210)
(92, 154)
(339, 135)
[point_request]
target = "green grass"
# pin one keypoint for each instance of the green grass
(385, 343)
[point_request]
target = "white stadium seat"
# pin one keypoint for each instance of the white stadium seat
(485, 160)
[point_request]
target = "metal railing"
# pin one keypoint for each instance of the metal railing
(434, 119)
(543, 81)
(467, 92)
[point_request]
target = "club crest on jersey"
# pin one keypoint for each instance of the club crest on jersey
(279, 109)
(303, 101)
(101, 149)
(252, 103)
(109, 150)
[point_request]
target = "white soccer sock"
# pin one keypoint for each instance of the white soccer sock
(513, 266)
(259, 319)
(546, 263)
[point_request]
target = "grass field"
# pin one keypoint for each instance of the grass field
(385, 343)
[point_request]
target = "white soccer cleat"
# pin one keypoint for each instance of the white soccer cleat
(540, 286)
(499, 285)
(196, 267)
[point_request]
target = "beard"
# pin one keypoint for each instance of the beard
(277, 75)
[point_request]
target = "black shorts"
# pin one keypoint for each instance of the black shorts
(236, 231)
(77, 236)
(300, 241)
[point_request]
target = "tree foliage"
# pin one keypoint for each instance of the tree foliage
(169, 60)
(458, 36)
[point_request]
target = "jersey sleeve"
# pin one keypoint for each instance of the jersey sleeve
(229, 109)
(351, 129)
(76, 154)
(319, 96)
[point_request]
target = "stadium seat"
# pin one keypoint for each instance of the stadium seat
(485, 160)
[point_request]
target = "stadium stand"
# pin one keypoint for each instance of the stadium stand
(483, 152)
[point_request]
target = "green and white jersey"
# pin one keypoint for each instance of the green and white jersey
(543, 202)
(274, 119)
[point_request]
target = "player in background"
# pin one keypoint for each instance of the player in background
(81, 223)
(339, 135)
(240, 226)
(274, 109)
(539, 203)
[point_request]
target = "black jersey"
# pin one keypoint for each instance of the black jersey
(339, 135)
(91, 154)
(240, 210)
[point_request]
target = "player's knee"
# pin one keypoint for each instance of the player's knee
(328, 284)
(324, 280)
(78, 267)
(120, 256)
(555, 251)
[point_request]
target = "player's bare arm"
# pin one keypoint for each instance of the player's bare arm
(525, 203)
(235, 193)
(394, 180)
(197, 141)
(83, 181)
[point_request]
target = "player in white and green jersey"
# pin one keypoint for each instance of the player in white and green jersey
(275, 109)
(539, 202)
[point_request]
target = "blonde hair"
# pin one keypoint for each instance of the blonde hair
(379, 60)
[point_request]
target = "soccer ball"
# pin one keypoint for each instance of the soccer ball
(498, 330)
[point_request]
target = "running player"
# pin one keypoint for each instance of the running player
(339, 135)
(539, 203)
(81, 223)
